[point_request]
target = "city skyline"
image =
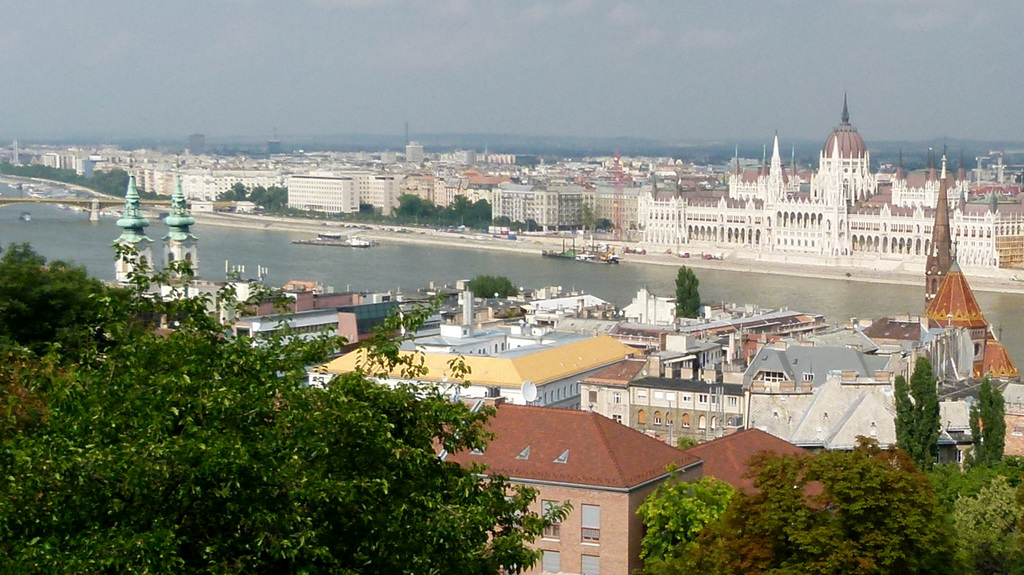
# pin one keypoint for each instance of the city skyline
(668, 71)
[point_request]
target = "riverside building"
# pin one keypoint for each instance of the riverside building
(837, 213)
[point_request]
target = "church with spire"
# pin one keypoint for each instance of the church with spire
(840, 213)
(178, 244)
(971, 349)
(137, 248)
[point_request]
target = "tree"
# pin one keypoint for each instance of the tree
(676, 513)
(492, 286)
(687, 293)
(865, 511)
(988, 424)
(192, 452)
(237, 193)
(44, 305)
(986, 525)
(588, 216)
(917, 415)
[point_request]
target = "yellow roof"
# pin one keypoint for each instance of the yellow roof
(548, 363)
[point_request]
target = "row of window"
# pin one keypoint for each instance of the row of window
(551, 562)
(702, 422)
(590, 522)
(670, 396)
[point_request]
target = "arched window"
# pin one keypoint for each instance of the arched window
(657, 418)
(686, 420)
(641, 417)
(702, 422)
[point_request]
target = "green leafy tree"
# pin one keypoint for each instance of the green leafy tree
(950, 482)
(986, 525)
(917, 415)
(988, 424)
(588, 216)
(191, 452)
(685, 442)
(236, 193)
(675, 514)
(865, 511)
(44, 305)
(687, 293)
(487, 286)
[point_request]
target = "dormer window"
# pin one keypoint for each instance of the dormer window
(524, 454)
(563, 458)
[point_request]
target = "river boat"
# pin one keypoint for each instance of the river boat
(337, 240)
(25, 217)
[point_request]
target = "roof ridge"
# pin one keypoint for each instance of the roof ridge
(606, 444)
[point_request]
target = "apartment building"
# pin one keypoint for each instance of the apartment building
(603, 469)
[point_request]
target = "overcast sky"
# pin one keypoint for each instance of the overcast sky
(673, 70)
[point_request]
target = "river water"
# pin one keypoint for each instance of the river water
(68, 235)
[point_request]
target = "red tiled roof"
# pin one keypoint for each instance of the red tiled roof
(889, 328)
(600, 452)
(955, 298)
(728, 458)
(997, 362)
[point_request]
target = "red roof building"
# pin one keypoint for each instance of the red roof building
(729, 457)
(603, 469)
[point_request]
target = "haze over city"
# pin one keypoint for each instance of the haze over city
(673, 71)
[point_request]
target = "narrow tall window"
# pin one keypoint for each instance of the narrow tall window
(591, 523)
(553, 531)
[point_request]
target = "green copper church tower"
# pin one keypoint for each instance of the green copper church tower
(180, 242)
(133, 234)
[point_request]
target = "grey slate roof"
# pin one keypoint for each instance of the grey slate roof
(795, 361)
(831, 417)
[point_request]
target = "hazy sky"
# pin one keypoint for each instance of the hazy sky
(674, 70)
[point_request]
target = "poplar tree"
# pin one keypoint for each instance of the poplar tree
(988, 424)
(687, 293)
(917, 415)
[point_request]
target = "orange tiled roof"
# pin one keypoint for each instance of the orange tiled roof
(956, 299)
(728, 458)
(596, 450)
(997, 361)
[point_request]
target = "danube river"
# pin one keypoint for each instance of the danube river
(66, 234)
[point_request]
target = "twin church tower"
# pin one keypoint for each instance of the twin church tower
(179, 243)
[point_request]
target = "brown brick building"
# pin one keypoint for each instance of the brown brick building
(603, 469)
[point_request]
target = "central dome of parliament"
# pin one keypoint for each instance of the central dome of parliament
(851, 145)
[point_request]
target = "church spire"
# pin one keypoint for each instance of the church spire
(846, 112)
(940, 256)
(899, 168)
(179, 219)
(180, 243)
(132, 222)
(133, 236)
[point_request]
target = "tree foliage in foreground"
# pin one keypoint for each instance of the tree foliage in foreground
(47, 304)
(687, 293)
(197, 453)
(988, 539)
(675, 514)
(865, 511)
(918, 422)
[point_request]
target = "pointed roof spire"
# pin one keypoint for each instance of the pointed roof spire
(993, 202)
(899, 168)
(132, 222)
(776, 167)
(846, 112)
(179, 219)
(736, 158)
(940, 256)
